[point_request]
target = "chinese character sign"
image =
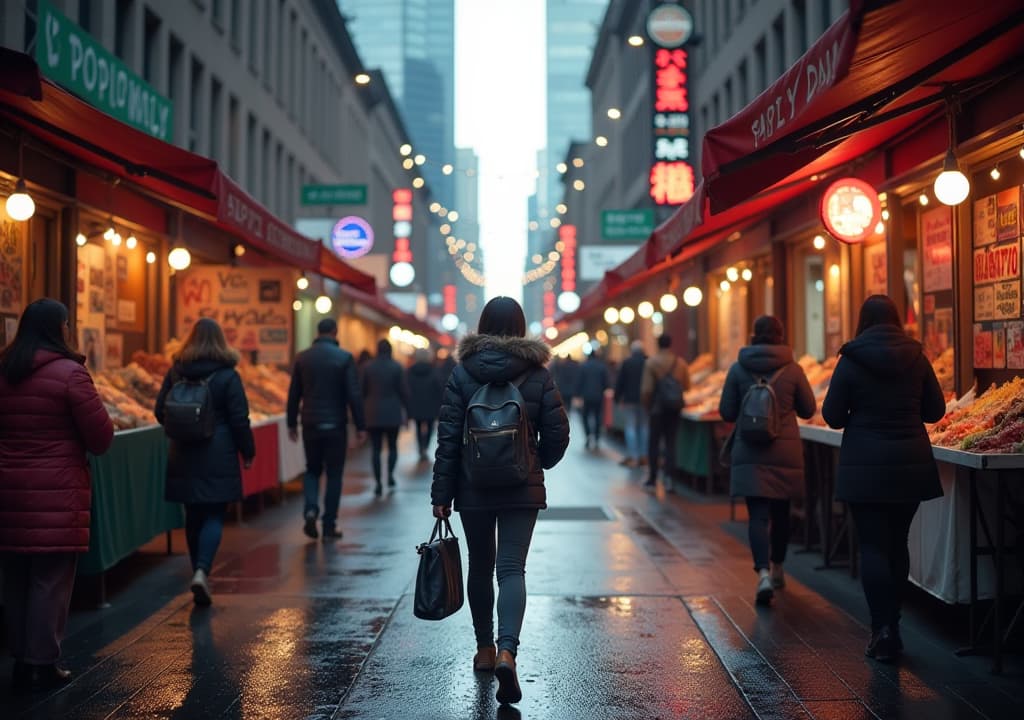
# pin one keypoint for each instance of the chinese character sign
(672, 178)
(567, 234)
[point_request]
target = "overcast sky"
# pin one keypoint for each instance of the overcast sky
(500, 113)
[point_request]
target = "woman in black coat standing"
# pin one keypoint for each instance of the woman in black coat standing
(499, 352)
(205, 474)
(385, 399)
(425, 389)
(882, 392)
(769, 475)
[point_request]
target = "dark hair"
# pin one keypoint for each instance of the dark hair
(767, 331)
(383, 348)
(41, 328)
(502, 316)
(327, 326)
(206, 342)
(878, 310)
(664, 342)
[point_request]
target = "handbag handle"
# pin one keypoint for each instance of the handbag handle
(439, 533)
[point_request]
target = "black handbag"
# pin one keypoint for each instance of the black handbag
(439, 577)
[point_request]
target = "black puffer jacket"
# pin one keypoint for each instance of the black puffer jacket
(425, 391)
(325, 383)
(209, 472)
(483, 359)
(882, 392)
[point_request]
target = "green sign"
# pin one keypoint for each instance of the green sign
(71, 57)
(627, 224)
(333, 194)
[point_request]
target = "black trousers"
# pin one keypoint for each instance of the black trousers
(592, 417)
(768, 530)
(882, 531)
(424, 431)
(663, 430)
(377, 436)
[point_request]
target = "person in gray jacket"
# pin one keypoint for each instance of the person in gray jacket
(769, 475)
(387, 403)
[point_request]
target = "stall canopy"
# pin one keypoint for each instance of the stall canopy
(178, 177)
(375, 301)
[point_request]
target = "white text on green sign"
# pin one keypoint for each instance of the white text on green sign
(333, 194)
(627, 224)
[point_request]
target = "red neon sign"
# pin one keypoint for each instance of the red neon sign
(549, 308)
(450, 299)
(850, 210)
(671, 177)
(567, 234)
(401, 213)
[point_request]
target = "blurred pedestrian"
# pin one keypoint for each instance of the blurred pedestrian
(769, 474)
(326, 385)
(499, 352)
(666, 378)
(52, 416)
(628, 384)
(594, 379)
(445, 364)
(387, 401)
(882, 392)
(425, 391)
(567, 379)
(204, 473)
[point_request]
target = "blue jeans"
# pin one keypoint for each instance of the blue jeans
(204, 526)
(508, 557)
(325, 453)
(637, 429)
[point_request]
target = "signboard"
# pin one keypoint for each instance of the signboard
(252, 305)
(238, 210)
(669, 25)
(671, 177)
(875, 271)
(567, 234)
(595, 260)
(997, 282)
(333, 194)
(627, 224)
(1008, 214)
(937, 249)
(850, 210)
(352, 237)
(985, 221)
(402, 272)
(71, 57)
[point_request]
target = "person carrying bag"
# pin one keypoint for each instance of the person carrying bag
(439, 577)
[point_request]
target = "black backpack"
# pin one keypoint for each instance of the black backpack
(668, 392)
(188, 410)
(758, 421)
(496, 449)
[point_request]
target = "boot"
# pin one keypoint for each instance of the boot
(310, 525)
(485, 659)
(882, 646)
(508, 682)
(377, 490)
(201, 589)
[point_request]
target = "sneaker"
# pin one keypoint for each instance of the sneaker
(764, 588)
(201, 589)
(310, 526)
(508, 682)
(332, 533)
(778, 576)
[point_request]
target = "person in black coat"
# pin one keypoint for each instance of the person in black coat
(325, 383)
(498, 353)
(205, 475)
(425, 389)
(628, 384)
(594, 379)
(387, 400)
(882, 392)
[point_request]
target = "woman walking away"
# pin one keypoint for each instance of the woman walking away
(497, 355)
(202, 467)
(882, 392)
(425, 390)
(385, 398)
(51, 417)
(768, 473)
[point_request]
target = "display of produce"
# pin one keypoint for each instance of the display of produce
(994, 423)
(705, 391)
(945, 369)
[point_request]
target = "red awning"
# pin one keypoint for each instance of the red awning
(178, 177)
(879, 60)
(375, 301)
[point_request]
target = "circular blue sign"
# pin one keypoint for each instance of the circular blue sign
(352, 237)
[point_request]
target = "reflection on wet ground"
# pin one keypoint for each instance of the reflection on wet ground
(640, 606)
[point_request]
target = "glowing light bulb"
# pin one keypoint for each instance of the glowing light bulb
(693, 296)
(611, 315)
(20, 205)
(302, 283)
(818, 242)
(80, 240)
(645, 309)
(179, 258)
(668, 302)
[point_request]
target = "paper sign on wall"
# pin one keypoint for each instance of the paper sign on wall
(937, 245)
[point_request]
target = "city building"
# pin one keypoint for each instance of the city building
(467, 227)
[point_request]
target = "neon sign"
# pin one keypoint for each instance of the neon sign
(850, 210)
(671, 175)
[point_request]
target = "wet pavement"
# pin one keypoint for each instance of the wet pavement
(640, 606)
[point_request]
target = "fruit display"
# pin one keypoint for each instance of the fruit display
(994, 423)
(705, 388)
(266, 387)
(945, 369)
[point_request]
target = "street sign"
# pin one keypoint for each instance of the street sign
(333, 194)
(627, 224)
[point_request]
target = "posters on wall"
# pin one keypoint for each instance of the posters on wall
(1015, 345)
(982, 346)
(252, 305)
(875, 272)
(92, 304)
(996, 274)
(12, 278)
(937, 246)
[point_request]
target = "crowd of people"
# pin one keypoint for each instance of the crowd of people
(882, 392)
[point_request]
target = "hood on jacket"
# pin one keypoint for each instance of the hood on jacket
(883, 349)
(764, 359)
(490, 358)
(200, 368)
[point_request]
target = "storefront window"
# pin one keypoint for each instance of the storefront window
(13, 276)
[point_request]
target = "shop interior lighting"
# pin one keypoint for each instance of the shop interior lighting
(645, 309)
(132, 242)
(692, 296)
(880, 228)
(297, 305)
(994, 173)
(951, 186)
(302, 282)
(116, 240)
(179, 258)
(20, 205)
(923, 198)
(636, 40)
(833, 270)
(614, 113)
(657, 318)
(626, 315)
(747, 275)
(150, 257)
(732, 274)
(725, 286)
(80, 240)
(239, 250)
(885, 215)
(668, 302)
(611, 315)
(322, 304)
(818, 242)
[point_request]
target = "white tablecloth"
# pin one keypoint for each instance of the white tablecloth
(293, 458)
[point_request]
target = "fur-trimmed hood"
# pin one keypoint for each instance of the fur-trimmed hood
(490, 358)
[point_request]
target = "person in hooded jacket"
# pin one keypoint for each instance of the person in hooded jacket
(594, 379)
(499, 352)
(882, 392)
(205, 475)
(51, 417)
(387, 400)
(425, 390)
(769, 475)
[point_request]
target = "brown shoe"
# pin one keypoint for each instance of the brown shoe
(508, 683)
(484, 659)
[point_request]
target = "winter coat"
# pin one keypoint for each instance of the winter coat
(567, 378)
(882, 392)
(425, 391)
(658, 366)
(47, 424)
(209, 471)
(775, 470)
(593, 380)
(384, 393)
(488, 358)
(325, 380)
(630, 379)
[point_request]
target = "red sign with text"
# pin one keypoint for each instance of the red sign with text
(567, 234)
(672, 179)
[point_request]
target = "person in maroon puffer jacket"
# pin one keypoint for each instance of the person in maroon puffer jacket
(51, 416)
